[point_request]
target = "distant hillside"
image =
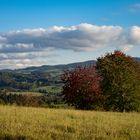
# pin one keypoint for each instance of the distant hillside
(35, 77)
(61, 67)
(137, 59)
(48, 68)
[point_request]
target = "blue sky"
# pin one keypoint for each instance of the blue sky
(66, 22)
(19, 14)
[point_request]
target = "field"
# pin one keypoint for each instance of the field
(21, 123)
(50, 89)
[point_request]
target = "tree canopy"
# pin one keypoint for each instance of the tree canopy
(82, 87)
(113, 84)
(121, 81)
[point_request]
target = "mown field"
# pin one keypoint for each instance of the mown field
(24, 123)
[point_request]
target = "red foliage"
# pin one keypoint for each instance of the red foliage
(81, 86)
(119, 53)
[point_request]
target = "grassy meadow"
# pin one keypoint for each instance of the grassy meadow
(23, 123)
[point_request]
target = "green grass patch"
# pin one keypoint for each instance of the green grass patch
(50, 89)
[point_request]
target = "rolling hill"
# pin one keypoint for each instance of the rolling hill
(35, 77)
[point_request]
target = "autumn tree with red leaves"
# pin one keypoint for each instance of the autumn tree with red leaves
(82, 87)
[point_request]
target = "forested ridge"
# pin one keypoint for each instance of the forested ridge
(34, 77)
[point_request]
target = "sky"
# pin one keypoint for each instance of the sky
(49, 32)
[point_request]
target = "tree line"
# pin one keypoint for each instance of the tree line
(112, 84)
(44, 100)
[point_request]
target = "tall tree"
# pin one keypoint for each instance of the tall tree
(82, 87)
(121, 81)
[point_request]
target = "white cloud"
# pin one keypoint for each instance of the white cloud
(2, 39)
(30, 44)
(78, 38)
(135, 34)
(21, 63)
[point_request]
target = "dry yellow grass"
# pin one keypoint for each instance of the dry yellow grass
(63, 124)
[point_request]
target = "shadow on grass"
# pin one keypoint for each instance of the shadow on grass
(10, 137)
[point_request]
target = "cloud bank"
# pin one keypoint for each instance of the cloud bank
(20, 48)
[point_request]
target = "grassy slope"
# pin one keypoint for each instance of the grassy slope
(60, 124)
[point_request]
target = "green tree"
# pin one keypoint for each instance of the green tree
(121, 81)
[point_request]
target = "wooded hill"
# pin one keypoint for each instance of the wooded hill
(34, 77)
(31, 78)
